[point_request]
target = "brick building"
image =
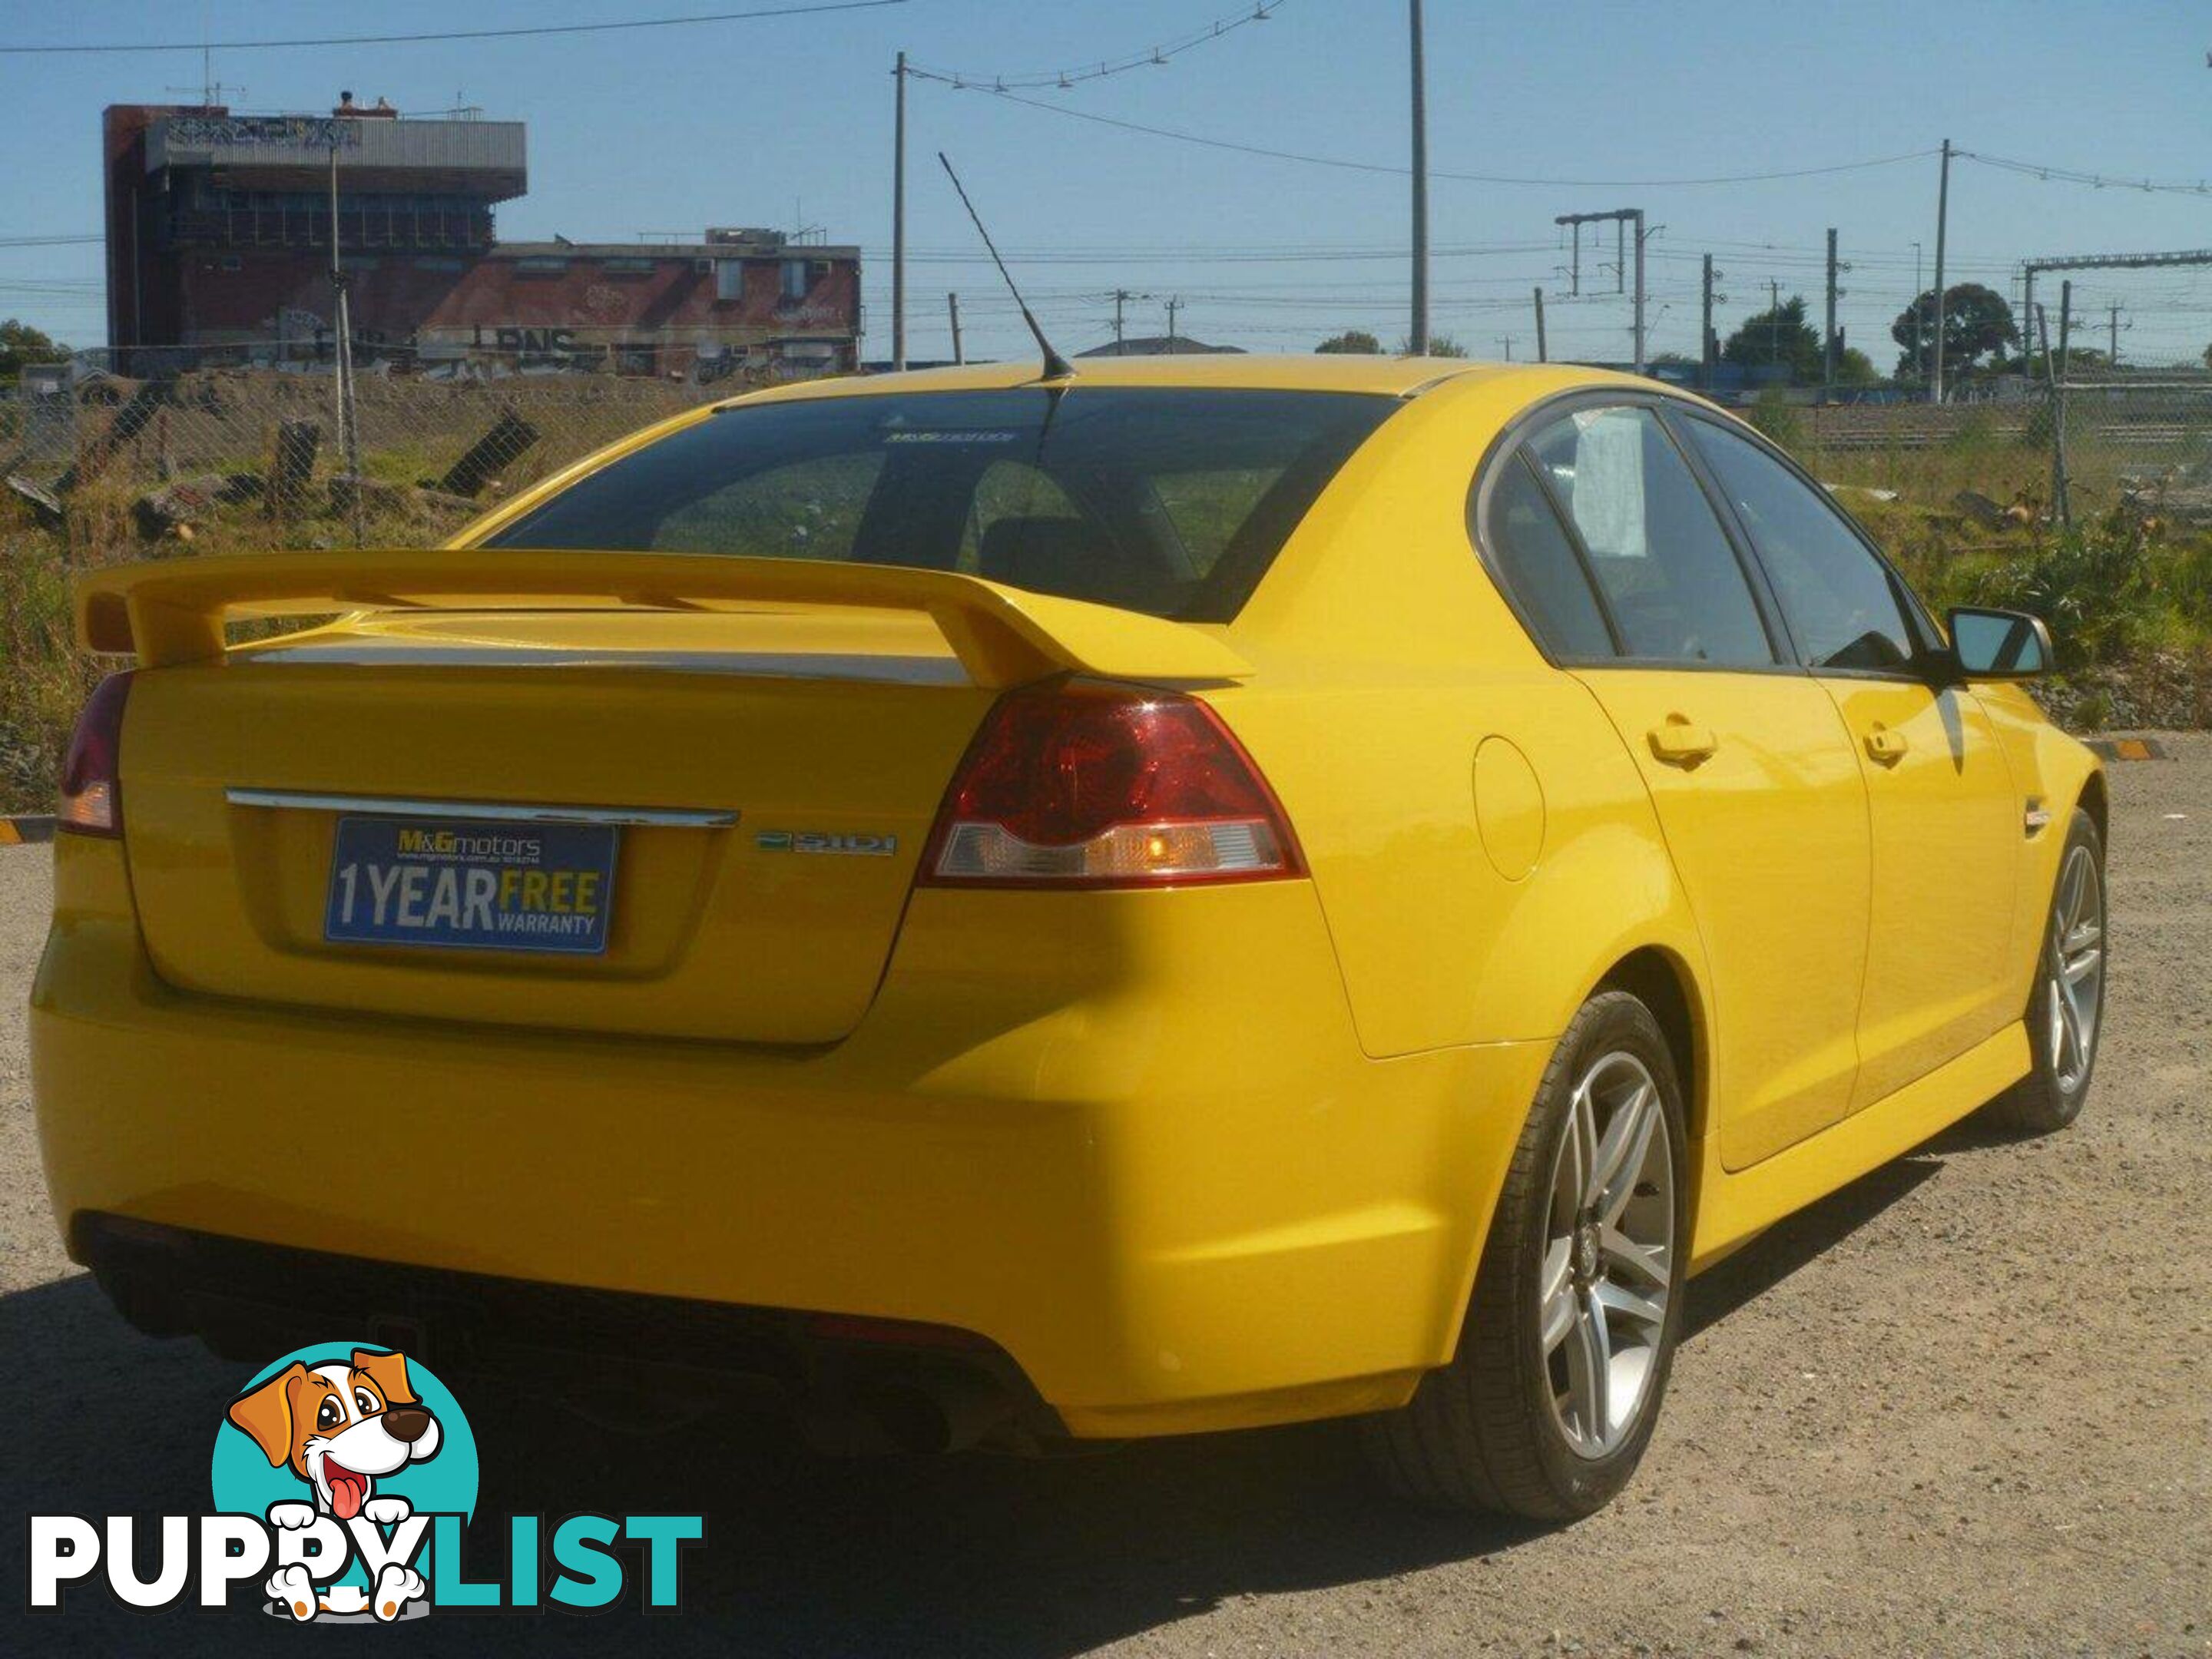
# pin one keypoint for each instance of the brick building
(218, 236)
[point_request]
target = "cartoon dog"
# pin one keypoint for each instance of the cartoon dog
(337, 1426)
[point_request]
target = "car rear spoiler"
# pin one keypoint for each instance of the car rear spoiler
(173, 610)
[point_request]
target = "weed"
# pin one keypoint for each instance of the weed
(1779, 420)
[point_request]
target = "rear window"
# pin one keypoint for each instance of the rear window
(1165, 500)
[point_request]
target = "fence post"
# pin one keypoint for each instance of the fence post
(131, 419)
(510, 434)
(292, 466)
(2062, 496)
(2055, 395)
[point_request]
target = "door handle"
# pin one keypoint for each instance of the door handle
(1678, 742)
(1886, 746)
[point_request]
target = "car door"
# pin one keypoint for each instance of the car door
(1746, 758)
(1945, 818)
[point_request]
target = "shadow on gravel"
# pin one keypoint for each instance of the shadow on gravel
(1791, 1244)
(1976, 1135)
(970, 1555)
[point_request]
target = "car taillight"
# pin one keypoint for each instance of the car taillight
(1082, 785)
(92, 795)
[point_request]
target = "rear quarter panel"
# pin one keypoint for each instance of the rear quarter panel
(1460, 913)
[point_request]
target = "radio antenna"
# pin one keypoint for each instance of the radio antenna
(1056, 368)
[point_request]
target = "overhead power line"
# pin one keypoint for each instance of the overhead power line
(907, 70)
(1151, 57)
(1347, 165)
(1302, 252)
(1077, 257)
(2072, 176)
(449, 35)
(1370, 249)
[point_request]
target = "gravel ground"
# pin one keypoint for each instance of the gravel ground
(1961, 1407)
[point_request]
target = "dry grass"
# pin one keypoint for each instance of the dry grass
(44, 676)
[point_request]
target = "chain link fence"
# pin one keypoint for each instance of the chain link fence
(2141, 441)
(2086, 500)
(1995, 452)
(2023, 454)
(176, 452)
(200, 444)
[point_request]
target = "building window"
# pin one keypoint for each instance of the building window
(540, 264)
(794, 281)
(729, 280)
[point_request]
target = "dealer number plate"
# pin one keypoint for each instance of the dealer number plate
(472, 884)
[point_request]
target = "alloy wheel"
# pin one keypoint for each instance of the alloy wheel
(1607, 1269)
(2074, 970)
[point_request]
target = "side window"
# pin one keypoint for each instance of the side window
(1539, 566)
(1841, 604)
(1660, 557)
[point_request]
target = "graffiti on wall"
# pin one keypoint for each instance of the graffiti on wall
(214, 130)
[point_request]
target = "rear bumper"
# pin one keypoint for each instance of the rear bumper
(1154, 1169)
(636, 1359)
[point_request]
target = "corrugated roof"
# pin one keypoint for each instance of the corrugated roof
(1156, 345)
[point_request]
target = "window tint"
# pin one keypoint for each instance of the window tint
(1206, 506)
(1172, 501)
(1669, 575)
(808, 510)
(1838, 599)
(1009, 489)
(1540, 567)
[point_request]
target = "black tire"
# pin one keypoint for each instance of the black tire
(1483, 1431)
(2050, 1096)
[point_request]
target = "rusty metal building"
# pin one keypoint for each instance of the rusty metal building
(218, 241)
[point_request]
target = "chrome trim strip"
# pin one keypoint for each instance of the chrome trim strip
(304, 800)
(907, 670)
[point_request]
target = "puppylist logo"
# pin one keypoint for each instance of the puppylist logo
(343, 1478)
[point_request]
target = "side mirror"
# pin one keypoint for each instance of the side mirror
(1999, 645)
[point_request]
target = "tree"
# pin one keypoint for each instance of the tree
(1975, 320)
(1356, 342)
(1440, 345)
(1854, 368)
(21, 343)
(1779, 334)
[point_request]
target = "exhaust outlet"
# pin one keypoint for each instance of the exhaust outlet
(929, 1415)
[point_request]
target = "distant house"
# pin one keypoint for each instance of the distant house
(1156, 345)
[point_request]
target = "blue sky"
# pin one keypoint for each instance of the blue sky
(783, 121)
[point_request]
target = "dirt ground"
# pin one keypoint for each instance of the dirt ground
(1964, 1406)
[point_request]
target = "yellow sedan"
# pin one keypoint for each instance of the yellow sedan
(1205, 892)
